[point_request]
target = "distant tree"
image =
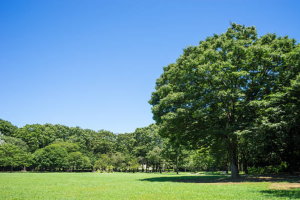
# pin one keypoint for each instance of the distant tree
(133, 164)
(7, 128)
(76, 161)
(118, 160)
(86, 163)
(145, 140)
(11, 155)
(174, 152)
(33, 136)
(50, 157)
(103, 163)
(126, 143)
(155, 157)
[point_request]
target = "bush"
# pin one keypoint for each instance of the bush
(268, 169)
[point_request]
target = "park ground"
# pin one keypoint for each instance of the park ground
(145, 186)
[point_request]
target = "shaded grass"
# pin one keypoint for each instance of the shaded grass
(187, 179)
(225, 179)
(288, 194)
(131, 186)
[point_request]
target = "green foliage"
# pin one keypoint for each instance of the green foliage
(52, 156)
(7, 128)
(16, 141)
(133, 164)
(109, 169)
(154, 156)
(103, 163)
(76, 161)
(214, 89)
(2, 141)
(34, 136)
(11, 155)
(70, 147)
(268, 169)
(118, 160)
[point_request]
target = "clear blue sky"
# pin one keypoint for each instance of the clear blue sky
(93, 63)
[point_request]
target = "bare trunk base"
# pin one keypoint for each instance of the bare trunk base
(234, 162)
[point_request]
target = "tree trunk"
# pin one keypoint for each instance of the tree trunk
(159, 167)
(227, 161)
(177, 164)
(291, 161)
(177, 156)
(245, 166)
(11, 169)
(176, 169)
(290, 167)
(234, 161)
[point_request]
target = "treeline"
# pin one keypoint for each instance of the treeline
(61, 148)
(58, 147)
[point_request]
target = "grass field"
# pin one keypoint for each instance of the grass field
(139, 186)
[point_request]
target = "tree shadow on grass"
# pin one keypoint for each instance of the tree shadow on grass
(291, 194)
(184, 179)
(224, 179)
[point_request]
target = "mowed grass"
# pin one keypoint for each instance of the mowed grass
(132, 186)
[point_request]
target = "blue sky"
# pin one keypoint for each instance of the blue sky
(93, 63)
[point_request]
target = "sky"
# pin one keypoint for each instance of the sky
(94, 63)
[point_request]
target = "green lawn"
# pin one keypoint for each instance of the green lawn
(132, 186)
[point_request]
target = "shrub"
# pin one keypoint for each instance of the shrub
(268, 169)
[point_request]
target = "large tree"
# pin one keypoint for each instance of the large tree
(206, 95)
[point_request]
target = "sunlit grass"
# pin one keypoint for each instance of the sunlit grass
(129, 186)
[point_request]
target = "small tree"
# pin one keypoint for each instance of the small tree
(118, 160)
(74, 160)
(103, 163)
(133, 164)
(155, 157)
